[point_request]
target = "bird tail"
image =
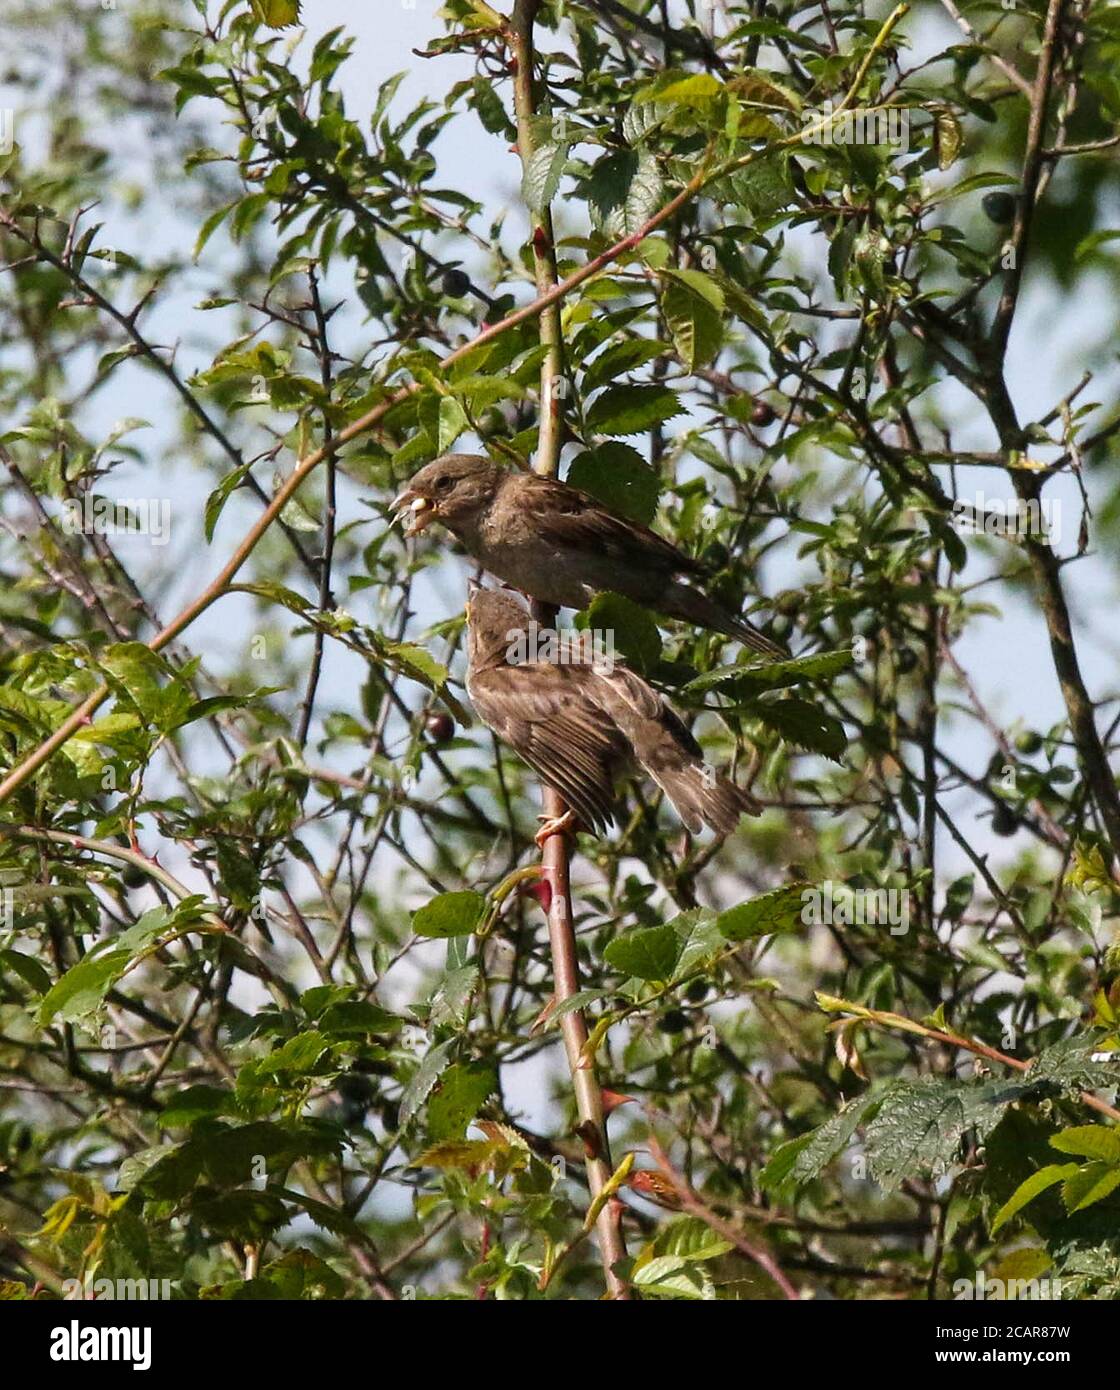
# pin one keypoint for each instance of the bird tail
(702, 796)
(683, 601)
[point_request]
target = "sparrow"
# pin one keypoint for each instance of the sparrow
(559, 545)
(579, 721)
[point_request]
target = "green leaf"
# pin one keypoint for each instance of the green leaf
(1071, 1066)
(804, 725)
(620, 478)
(299, 1056)
(27, 968)
(277, 14)
(609, 182)
(217, 500)
(1027, 1191)
(669, 1276)
(449, 914)
(462, 1090)
(620, 358)
(1090, 1184)
(633, 630)
(919, 1124)
(742, 682)
(443, 419)
(682, 89)
(1089, 1141)
(763, 187)
(195, 1103)
(624, 191)
(357, 1018)
(632, 409)
(84, 986)
(948, 137)
(700, 939)
(138, 673)
(689, 1238)
(650, 953)
(694, 320)
(427, 1074)
(802, 1160)
(769, 914)
(541, 177)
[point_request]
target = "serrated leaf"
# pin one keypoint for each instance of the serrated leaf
(649, 953)
(620, 478)
(803, 1159)
(462, 1089)
(470, 1154)
(1089, 1185)
(804, 725)
(632, 629)
(624, 191)
(919, 1124)
(742, 682)
(668, 1276)
(632, 409)
(541, 176)
(1027, 1191)
(769, 914)
(1071, 1066)
(700, 939)
(695, 326)
(449, 914)
(428, 1073)
(84, 986)
(1089, 1141)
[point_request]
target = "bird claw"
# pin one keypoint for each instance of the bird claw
(554, 825)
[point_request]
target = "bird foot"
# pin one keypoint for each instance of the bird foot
(554, 825)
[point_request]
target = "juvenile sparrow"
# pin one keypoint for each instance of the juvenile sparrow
(559, 545)
(578, 722)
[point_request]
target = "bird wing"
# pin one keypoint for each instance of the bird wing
(542, 712)
(566, 517)
(631, 702)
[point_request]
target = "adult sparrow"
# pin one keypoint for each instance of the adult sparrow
(559, 545)
(578, 721)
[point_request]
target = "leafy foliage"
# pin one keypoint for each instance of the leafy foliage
(275, 993)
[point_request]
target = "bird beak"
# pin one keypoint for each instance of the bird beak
(417, 510)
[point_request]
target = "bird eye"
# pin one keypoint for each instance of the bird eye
(443, 484)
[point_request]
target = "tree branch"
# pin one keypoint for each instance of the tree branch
(555, 855)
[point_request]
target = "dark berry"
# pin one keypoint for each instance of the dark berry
(673, 1022)
(1004, 821)
(440, 726)
(762, 414)
(456, 283)
(999, 207)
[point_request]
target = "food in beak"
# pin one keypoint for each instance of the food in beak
(418, 510)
